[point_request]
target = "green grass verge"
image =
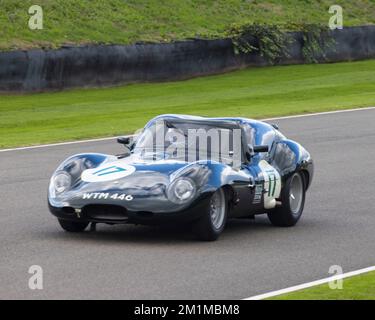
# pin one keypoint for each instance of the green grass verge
(360, 287)
(257, 93)
(123, 22)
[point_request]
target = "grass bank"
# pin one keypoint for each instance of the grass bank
(360, 287)
(124, 22)
(257, 93)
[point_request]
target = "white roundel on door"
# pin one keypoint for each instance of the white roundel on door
(107, 172)
(272, 184)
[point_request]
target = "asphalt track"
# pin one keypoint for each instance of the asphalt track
(251, 257)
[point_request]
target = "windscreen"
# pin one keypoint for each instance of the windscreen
(191, 141)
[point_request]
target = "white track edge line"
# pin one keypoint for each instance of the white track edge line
(319, 113)
(61, 144)
(310, 284)
(110, 138)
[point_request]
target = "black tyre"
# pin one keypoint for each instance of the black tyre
(212, 222)
(72, 226)
(292, 200)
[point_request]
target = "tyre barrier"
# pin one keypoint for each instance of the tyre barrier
(107, 65)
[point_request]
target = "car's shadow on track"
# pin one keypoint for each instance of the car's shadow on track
(236, 228)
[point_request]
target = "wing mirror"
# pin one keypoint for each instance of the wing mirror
(128, 143)
(260, 149)
(124, 140)
(255, 149)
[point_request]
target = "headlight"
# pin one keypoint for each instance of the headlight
(62, 182)
(181, 190)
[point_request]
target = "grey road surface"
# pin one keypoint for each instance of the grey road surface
(251, 257)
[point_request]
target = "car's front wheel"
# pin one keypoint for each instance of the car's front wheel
(212, 222)
(72, 226)
(292, 202)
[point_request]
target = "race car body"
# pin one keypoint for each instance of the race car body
(186, 169)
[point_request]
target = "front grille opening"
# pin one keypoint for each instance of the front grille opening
(68, 210)
(105, 212)
(145, 214)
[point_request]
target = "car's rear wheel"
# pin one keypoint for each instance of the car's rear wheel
(292, 200)
(72, 226)
(212, 222)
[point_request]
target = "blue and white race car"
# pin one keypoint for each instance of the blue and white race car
(186, 169)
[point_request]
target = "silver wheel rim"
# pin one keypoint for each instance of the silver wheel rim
(217, 209)
(296, 193)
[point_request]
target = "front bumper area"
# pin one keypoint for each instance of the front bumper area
(115, 214)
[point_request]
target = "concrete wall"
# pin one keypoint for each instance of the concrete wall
(91, 66)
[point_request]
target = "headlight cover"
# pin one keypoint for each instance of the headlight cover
(61, 182)
(181, 190)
